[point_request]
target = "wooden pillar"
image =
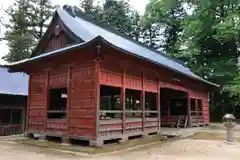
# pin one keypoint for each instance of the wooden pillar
(123, 101)
(143, 108)
(46, 100)
(97, 73)
(189, 110)
(11, 118)
(69, 78)
(169, 107)
(196, 109)
(28, 105)
(158, 106)
(23, 119)
(143, 103)
(134, 103)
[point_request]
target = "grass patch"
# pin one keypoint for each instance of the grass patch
(213, 127)
(207, 136)
(210, 136)
(92, 150)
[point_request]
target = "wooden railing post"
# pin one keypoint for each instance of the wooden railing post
(123, 101)
(189, 111)
(97, 74)
(46, 100)
(143, 103)
(143, 109)
(158, 106)
(68, 97)
(196, 109)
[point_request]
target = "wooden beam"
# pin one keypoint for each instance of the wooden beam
(11, 118)
(123, 101)
(134, 103)
(97, 74)
(189, 111)
(23, 119)
(69, 78)
(158, 106)
(169, 107)
(143, 102)
(196, 109)
(46, 99)
(28, 102)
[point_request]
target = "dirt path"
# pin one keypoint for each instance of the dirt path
(185, 149)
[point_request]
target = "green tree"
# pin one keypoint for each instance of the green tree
(162, 21)
(27, 22)
(210, 42)
(40, 12)
(18, 36)
(116, 14)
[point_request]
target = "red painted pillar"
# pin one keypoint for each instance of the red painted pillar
(123, 101)
(196, 109)
(97, 98)
(169, 105)
(189, 110)
(46, 100)
(158, 106)
(28, 103)
(143, 103)
(68, 97)
(134, 104)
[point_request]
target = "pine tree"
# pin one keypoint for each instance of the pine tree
(27, 22)
(40, 12)
(18, 36)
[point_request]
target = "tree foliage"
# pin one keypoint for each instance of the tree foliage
(211, 38)
(19, 37)
(26, 24)
(116, 13)
(162, 21)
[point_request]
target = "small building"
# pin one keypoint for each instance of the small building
(90, 82)
(13, 102)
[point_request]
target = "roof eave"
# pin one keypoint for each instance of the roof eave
(13, 65)
(99, 38)
(195, 78)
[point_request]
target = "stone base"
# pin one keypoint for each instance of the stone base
(230, 143)
(96, 143)
(145, 135)
(65, 141)
(42, 137)
(123, 140)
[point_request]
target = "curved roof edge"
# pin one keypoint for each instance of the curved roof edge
(100, 39)
(164, 66)
(51, 53)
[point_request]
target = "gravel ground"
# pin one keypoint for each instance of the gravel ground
(185, 149)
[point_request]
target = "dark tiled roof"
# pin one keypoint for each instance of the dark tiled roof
(87, 31)
(13, 83)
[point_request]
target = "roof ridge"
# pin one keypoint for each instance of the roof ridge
(74, 11)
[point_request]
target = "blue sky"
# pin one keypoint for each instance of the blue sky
(137, 4)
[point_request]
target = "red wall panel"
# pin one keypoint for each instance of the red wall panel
(82, 116)
(36, 105)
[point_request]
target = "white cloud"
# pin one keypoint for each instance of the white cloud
(137, 4)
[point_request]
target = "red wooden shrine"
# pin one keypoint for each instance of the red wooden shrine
(89, 72)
